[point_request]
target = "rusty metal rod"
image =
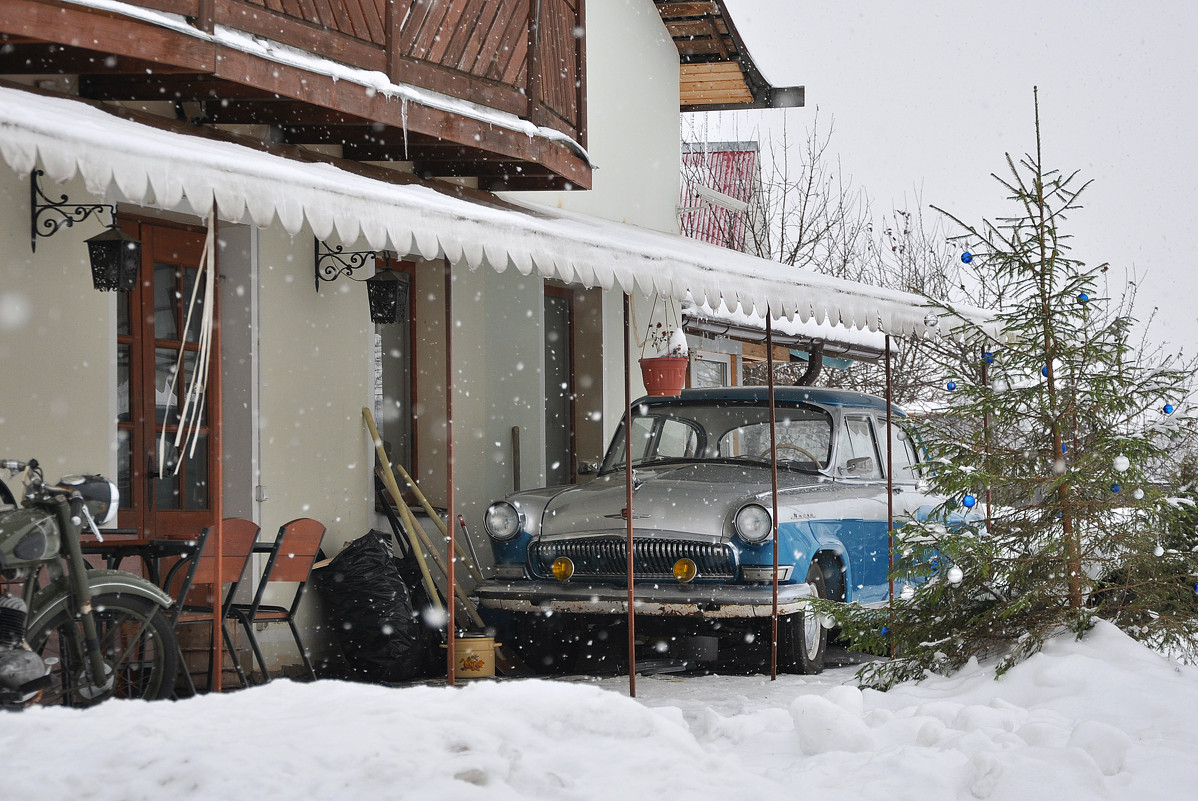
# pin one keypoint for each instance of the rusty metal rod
(628, 495)
(449, 477)
(769, 363)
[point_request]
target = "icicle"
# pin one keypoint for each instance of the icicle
(403, 118)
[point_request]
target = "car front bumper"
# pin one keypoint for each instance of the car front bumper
(650, 598)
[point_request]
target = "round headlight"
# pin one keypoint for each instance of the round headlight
(753, 524)
(685, 570)
(502, 520)
(563, 568)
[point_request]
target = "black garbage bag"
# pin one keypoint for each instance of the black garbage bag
(370, 607)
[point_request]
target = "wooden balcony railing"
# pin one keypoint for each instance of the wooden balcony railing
(526, 57)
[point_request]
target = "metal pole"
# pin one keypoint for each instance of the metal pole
(218, 483)
(769, 361)
(628, 495)
(889, 487)
(449, 536)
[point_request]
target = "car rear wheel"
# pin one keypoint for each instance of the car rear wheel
(802, 639)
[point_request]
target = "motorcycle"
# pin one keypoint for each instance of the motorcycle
(74, 635)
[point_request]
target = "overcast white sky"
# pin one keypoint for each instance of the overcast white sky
(930, 94)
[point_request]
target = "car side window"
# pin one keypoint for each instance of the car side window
(663, 438)
(677, 440)
(906, 463)
(857, 452)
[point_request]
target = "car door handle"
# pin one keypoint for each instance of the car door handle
(897, 490)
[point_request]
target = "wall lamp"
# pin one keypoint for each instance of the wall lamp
(385, 290)
(115, 256)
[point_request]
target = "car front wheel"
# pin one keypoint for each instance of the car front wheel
(802, 640)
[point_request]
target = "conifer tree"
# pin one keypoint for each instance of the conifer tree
(1055, 451)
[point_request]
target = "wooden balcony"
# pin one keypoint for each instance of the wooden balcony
(352, 74)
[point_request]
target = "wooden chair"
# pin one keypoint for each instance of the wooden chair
(290, 560)
(191, 582)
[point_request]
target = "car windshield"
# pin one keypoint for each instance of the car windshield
(723, 432)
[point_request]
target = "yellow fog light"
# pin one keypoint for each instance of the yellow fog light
(563, 568)
(685, 570)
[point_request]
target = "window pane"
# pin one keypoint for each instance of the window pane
(195, 489)
(166, 493)
(166, 401)
(166, 302)
(193, 327)
(122, 312)
(122, 382)
(706, 373)
(124, 475)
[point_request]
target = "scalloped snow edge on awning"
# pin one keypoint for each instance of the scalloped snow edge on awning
(126, 160)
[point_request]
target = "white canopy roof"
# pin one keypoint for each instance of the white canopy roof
(127, 160)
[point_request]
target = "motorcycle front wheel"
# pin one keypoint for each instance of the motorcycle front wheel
(141, 657)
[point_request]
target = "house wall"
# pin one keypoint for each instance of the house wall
(632, 136)
(57, 390)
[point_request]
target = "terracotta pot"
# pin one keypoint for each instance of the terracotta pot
(664, 376)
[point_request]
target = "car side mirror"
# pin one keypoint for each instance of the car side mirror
(588, 468)
(861, 466)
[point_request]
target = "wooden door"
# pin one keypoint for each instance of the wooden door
(151, 329)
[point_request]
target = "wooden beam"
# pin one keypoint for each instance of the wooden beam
(693, 9)
(69, 24)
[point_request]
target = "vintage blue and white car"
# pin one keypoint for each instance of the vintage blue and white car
(703, 528)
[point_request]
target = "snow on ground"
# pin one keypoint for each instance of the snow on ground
(1096, 719)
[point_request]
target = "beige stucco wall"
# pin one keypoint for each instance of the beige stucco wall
(58, 385)
(315, 353)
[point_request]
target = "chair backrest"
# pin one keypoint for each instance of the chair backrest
(237, 544)
(292, 557)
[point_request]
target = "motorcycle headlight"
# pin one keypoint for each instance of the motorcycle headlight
(503, 521)
(102, 497)
(753, 524)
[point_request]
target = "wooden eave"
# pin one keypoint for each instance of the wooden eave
(717, 73)
(211, 84)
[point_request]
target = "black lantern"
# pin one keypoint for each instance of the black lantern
(388, 297)
(116, 260)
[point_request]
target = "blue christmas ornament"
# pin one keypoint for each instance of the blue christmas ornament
(1196, 588)
(969, 501)
(1168, 408)
(951, 386)
(967, 257)
(1115, 488)
(1064, 448)
(1083, 298)
(1044, 371)
(988, 357)
(886, 629)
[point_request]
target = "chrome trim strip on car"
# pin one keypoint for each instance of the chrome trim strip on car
(722, 601)
(606, 557)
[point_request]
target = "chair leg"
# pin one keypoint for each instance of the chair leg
(191, 685)
(233, 655)
(302, 650)
(248, 625)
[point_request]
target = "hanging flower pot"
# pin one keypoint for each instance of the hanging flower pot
(664, 376)
(664, 373)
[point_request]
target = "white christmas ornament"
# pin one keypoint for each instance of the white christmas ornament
(1121, 463)
(908, 592)
(1158, 551)
(955, 576)
(1138, 494)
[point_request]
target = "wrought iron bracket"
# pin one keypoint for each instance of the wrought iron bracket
(47, 216)
(334, 262)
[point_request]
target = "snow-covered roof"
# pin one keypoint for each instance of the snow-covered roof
(126, 160)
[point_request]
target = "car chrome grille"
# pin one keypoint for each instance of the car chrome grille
(607, 558)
